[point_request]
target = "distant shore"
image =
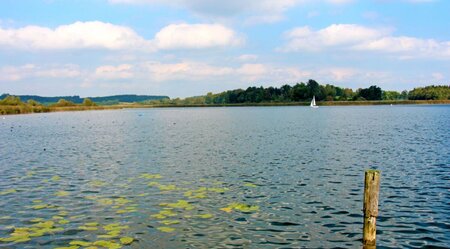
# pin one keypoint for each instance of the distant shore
(12, 110)
(321, 103)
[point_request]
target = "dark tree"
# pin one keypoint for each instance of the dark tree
(314, 90)
(371, 93)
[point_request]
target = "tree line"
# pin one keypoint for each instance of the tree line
(14, 105)
(106, 100)
(302, 92)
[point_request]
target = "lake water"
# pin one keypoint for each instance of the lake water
(244, 177)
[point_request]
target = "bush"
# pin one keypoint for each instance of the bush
(64, 103)
(33, 102)
(88, 102)
(11, 100)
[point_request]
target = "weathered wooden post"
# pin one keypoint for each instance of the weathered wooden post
(370, 208)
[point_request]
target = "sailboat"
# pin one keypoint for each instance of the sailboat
(313, 103)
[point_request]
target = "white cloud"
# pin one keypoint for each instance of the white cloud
(157, 71)
(341, 74)
(221, 8)
(192, 71)
(196, 36)
(352, 37)
(99, 35)
(255, 11)
(123, 71)
(29, 71)
(78, 35)
(303, 38)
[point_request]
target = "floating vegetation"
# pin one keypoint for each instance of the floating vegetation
(28, 174)
(105, 201)
(79, 243)
(126, 240)
(55, 178)
(97, 183)
(169, 222)
(166, 229)
(62, 193)
(164, 214)
(90, 226)
(115, 226)
(77, 217)
(42, 206)
(107, 244)
(8, 191)
(241, 207)
(192, 194)
(63, 222)
(150, 176)
(127, 210)
(68, 247)
(169, 187)
(250, 185)
(110, 234)
(181, 204)
(163, 187)
(37, 220)
(204, 216)
(115, 199)
(24, 234)
(202, 192)
(116, 203)
(218, 190)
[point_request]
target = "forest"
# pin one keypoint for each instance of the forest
(303, 92)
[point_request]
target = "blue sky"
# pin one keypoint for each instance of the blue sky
(191, 47)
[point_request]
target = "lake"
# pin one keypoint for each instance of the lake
(236, 177)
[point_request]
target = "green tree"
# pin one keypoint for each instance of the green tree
(430, 93)
(314, 90)
(390, 95)
(348, 94)
(64, 103)
(371, 93)
(11, 100)
(33, 102)
(88, 102)
(299, 92)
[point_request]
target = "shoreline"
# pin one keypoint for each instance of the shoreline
(17, 110)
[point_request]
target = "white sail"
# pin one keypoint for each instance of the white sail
(313, 102)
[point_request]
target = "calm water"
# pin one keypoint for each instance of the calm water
(67, 176)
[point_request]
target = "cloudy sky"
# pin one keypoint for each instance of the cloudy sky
(189, 47)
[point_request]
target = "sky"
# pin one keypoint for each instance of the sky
(182, 48)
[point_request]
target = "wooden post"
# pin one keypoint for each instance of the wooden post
(370, 208)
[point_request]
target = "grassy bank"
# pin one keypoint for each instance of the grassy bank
(26, 108)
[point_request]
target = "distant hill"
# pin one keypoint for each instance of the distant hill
(127, 98)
